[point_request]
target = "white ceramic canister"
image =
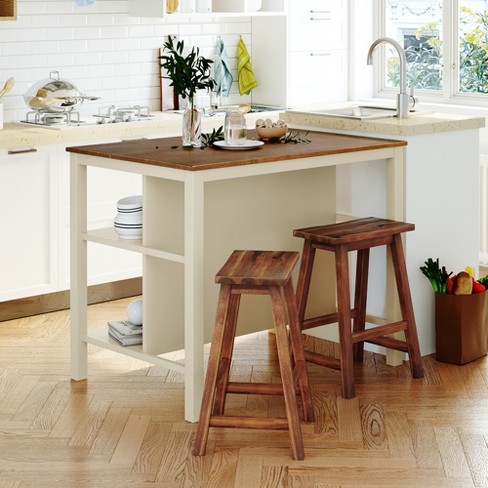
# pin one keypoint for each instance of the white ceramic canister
(188, 6)
(204, 6)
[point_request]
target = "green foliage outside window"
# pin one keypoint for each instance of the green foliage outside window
(424, 57)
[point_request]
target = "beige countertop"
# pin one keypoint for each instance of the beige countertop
(418, 124)
(17, 135)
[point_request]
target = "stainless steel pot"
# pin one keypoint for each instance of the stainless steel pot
(55, 95)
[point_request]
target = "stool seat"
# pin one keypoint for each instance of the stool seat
(358, 235)
(355, 234)
(264, 273)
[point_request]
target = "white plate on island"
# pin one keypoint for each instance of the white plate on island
(249, 144)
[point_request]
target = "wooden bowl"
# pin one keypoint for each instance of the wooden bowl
(270, 132)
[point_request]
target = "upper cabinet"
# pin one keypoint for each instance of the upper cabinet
(8, 10)
(177, 10)
(304, 61)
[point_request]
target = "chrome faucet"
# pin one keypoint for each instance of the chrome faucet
(403, 98)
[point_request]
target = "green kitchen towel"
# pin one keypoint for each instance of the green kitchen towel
(247, 81)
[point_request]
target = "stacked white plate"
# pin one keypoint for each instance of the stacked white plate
(128, 221)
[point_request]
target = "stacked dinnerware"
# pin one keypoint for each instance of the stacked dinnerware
(128, 221)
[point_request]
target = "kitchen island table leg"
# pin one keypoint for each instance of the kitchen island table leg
(395, 211)
(194, 294)
(78, 270)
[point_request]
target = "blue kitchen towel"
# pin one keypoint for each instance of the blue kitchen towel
(84, 3)
(222, 75)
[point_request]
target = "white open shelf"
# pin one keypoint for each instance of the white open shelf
(100, 338)
(109, 237)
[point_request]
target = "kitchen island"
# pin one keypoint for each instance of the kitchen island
(199, 205)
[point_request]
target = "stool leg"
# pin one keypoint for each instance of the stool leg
(225, 360)
(304, 276)
(212, 371)
(344, 313)
(286, 370)
(406, 306)
(360, 296)
(298, 355)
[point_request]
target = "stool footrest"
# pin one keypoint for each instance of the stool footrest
(379, 331)
(327, 361)
(256, 388)
(390, 343)
(248, 422)
(329, 318)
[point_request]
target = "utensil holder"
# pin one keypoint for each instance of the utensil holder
(1, 115)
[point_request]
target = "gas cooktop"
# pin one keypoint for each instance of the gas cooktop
(106, 115)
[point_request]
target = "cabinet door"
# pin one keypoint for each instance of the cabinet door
(317, 24)
(29, 244)
(319, 76)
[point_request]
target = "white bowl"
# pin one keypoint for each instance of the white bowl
(129, 219)
(133, 233)
(130, 204)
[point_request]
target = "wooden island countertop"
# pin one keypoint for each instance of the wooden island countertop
(167, 152)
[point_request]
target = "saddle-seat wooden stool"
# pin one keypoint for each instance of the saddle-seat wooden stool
(358, 235)
(268, 273)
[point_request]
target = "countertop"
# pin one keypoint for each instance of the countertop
(416, 124)
(17, 135)
(162, 151)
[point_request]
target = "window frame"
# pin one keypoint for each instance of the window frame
(449, 94)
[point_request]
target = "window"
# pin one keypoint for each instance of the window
(446, 45)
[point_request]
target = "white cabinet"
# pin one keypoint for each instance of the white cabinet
(178, 11)
(34, 184)
(304, 60)
(29, 182)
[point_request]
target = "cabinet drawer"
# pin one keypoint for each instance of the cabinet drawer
(317, 69)
(318, 31)
(304, 7)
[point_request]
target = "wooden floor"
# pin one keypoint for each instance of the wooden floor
(124, 427)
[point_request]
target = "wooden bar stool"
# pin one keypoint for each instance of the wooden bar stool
(263, 273)
(358, 235)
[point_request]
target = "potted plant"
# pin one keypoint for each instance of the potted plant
(188, 74)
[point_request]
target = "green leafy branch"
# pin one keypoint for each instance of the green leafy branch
(187, 73)
(294, 137)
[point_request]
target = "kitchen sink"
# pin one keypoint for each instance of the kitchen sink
(359, 112)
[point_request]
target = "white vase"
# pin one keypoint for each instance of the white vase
(252, 5)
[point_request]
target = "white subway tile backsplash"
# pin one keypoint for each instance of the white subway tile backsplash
(60, 33)
(103, 50)
(31, 8)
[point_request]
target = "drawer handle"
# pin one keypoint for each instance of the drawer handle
(319, 54)
(320, 11)
(22, 151)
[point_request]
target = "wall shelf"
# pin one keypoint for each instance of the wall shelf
(214, 8)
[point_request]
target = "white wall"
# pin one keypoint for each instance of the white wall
(101, 49)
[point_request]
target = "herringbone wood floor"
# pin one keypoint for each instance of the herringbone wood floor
(124, 427)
